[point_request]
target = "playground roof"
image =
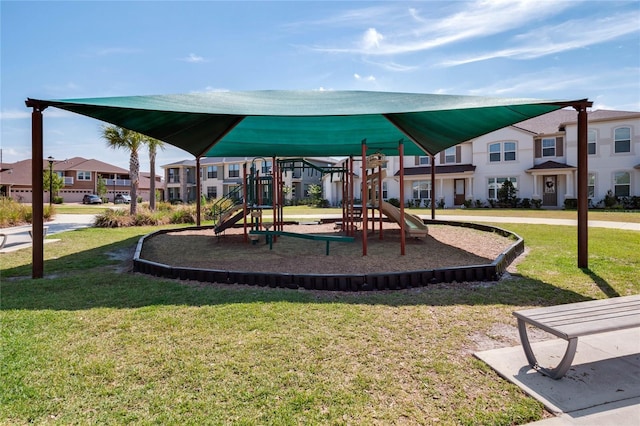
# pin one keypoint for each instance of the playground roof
(309, 123)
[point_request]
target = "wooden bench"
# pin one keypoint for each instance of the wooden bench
(328, 238)
(575, 320)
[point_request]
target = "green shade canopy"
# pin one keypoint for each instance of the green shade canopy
(308, 123)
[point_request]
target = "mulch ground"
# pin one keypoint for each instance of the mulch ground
(445, 246)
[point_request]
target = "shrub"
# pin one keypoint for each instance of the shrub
(610, 200)
(440, 204)
(182, 216)
(570, 203)
(12, 213)
(537, 203)
(526, 203)
(467, 203)
(632, 203)
(113, 219)
(323, 203)
(479, 204)
(427, 203)
(394, 202)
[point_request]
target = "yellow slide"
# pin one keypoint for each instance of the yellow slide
(414, 226)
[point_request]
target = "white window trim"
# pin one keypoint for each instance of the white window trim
(616, 140)
(80, 173)
(595, 141)
(615, 184)
(542, 147)
(502, 152)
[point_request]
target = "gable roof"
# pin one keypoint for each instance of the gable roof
(550, 165)
(308, 123)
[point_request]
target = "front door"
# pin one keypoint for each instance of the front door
(550, 194)
(458, 192)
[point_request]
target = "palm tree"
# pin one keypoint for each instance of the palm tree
(153, 145)
(121, 138)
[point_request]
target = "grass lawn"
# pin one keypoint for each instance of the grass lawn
(91, 343)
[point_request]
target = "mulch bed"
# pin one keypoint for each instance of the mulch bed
(446, 246)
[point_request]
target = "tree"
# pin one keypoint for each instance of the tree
(121, 138)
(507, 194)
(153, 145)
(55, 180)
(101, 187)
(316, 194)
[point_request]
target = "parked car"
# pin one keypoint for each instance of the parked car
(91, 199)
(122, 198)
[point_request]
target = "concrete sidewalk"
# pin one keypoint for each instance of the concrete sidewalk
(601, 388)
(18, 237)
(496, 219)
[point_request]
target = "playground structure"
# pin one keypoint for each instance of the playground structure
(265, 192)
(262, 192)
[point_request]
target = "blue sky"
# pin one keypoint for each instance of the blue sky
(534, 49)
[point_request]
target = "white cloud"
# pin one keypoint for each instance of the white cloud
(214, 89)
(193, 58)
(371, 39)
(116, 51)
(477, 19)
(551, 40)
(17, 114)
(359, 77)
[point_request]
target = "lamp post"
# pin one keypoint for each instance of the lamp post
(50, 158)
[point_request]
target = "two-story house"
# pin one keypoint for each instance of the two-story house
(539, 156)
(80, 177)
(219, 176)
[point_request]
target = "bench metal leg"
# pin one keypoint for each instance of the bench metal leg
(563, 366)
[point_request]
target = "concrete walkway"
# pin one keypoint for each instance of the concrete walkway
(18, 237)
(496, 219)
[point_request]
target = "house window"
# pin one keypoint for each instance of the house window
(234, 170)
(266, 167)
(83, 175)
(494, 184)
(212, 172)
(502, 151)
(212, 192)
(174, 193)
(385, 194)
(423, 161)
(174, 176)
(591, 185)
(591, 142)
(421, 189)
(509, 151)
(494, 152)
(450, 155)
(622, 139)
(549, 147)
(621, 184)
